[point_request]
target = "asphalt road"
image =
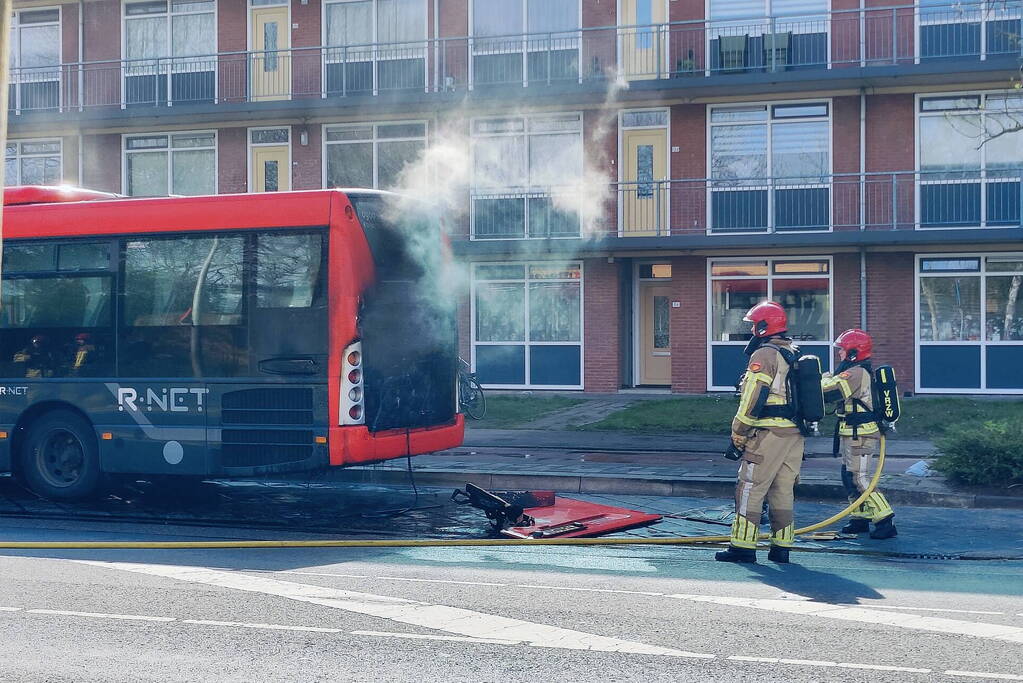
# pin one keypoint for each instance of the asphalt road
(496, 614)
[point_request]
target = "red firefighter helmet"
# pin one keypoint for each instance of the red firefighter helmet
(768, 319)
(857, 344)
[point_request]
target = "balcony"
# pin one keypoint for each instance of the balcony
(968, 201)
(898, 42)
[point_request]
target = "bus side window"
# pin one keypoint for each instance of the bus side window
(288, 270)
(183, 313)
(54, 324)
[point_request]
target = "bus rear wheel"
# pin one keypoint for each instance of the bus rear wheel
(59, 457)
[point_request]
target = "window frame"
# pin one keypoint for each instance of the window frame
(982, 273)
(524, 42)
(18, 156)
(526, 342)
(770, 183)
(919, 22)
(170, 154)
(528, 190)
(337, 54)
(39, 74)
(168, 14)
(374, 142)
(768, 17)
(770, 277)
(982, 178)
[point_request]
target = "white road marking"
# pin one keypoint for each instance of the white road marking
(422, 636)
(10, 609)
(1011, 634)
(272, 627)
(98, 615)
(453, 620)
(932, 609)
(458, 583)
(587, 590)
(839, 665)
(981, 674)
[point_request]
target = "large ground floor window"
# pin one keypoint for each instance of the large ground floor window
(802, 286)
(970, 323)
(527, 324)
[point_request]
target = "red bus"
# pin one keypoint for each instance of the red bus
(223, 336)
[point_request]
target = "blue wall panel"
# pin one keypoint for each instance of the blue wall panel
(554, 365)
(950, 367)
(1005, 367)
(501, 364)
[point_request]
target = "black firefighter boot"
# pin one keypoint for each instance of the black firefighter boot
(734, 554)
(857, 525)
(885, 528)
(778, 554)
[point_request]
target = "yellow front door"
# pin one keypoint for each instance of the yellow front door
(641, 40)
(270, 169)
(655, 334)
(271, 60)
(644, 200)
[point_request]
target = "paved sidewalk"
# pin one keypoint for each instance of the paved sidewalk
(682, 465)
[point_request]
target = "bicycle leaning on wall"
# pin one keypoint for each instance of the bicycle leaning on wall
(471, 400)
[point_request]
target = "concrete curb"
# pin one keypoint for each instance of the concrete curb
(694, 486)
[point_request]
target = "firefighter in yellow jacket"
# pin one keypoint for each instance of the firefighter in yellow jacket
(769, 441)
(858, 437)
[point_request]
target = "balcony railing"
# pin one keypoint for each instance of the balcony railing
(843, 202)
(872, 37)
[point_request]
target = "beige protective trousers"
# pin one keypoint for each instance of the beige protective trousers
(769, 468)
(858, 469)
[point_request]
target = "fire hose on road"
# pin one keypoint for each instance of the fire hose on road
(433, 543)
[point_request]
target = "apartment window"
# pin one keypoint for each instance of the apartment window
(375, 45)
(523, 41)
(159, 164)
(970, 331)
(770, 167)
(527, 324)
(802, 286)
(526, 171)
(168, 48)
(969, 159)
(371, 155)
(979, 28)
(772, 35)
(35, 59)
(33, 162)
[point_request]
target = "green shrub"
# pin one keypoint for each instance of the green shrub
(989, 454)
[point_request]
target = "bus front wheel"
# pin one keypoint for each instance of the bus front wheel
(59, 457)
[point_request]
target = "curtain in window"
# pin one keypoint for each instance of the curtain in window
(192, 35)
(145, 38)
(350, 23)
(800, 152)
(499, 162)
(545, 16)
(727, 10)
(496, 17)
(193, 172)
(401, 21)
(555, 159)
(147, 174)
(949, 143)
(739, 152)
(40, 46)
(350, 165)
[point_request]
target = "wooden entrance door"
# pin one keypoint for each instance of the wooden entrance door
(654, 334)
(270, 65)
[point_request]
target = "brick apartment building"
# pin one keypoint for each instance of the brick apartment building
(852, 159)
